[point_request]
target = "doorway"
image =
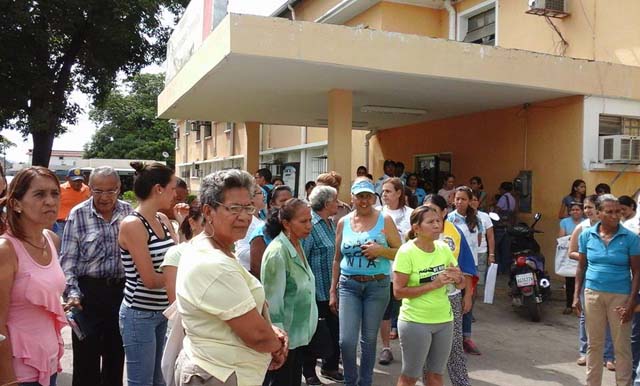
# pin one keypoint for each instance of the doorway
(432, 169)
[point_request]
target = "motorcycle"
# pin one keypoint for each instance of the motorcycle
(528, 281)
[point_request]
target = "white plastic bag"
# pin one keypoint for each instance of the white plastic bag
(490, 283)
(564, 265)
(173, 345)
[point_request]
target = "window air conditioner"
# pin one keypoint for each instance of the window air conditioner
(551, 5)
(619, 149)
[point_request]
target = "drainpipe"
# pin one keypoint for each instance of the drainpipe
(293, 11)
(370, 134)
(452, 19)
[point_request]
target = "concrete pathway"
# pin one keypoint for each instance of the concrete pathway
(515, 351)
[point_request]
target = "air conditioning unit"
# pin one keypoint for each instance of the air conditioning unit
(551, 8)
(619, 149)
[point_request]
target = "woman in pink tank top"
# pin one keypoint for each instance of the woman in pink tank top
(31, 282)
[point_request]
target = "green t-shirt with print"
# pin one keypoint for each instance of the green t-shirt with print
(422, 268)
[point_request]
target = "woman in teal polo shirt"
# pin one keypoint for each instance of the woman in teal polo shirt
(290, 289)
(609, 263)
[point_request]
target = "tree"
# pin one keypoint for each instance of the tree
(48, 48)
(129, 127)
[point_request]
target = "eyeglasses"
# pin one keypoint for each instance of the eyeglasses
(237, 209)
(105, 192)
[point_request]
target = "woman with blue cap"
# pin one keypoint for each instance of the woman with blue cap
(368, 241)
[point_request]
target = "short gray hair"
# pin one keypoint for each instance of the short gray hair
(214, 185)
(103, 171)
(321, 195)
(605, 198)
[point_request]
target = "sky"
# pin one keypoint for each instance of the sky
(80, 133)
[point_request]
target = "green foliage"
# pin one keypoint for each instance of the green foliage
(48, 48)
(128, 124)
(191, 198)
(130, 197)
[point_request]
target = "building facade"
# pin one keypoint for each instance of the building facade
(545, 90)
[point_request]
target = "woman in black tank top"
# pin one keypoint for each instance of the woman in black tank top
(144, 238)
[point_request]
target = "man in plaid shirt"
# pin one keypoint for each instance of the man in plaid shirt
(90, 259)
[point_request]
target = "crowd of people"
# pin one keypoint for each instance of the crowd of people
(248, 285)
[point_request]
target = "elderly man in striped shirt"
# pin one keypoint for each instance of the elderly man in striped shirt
(90, 258)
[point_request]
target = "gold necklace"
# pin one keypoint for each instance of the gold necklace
(42, 248)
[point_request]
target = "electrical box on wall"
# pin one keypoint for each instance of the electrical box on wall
(522, 186)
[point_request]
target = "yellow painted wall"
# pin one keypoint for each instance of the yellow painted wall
(194, 150)
(410, 19)
(310, 10)
(280, 136)
(466, 4)
(444, 24)
(222, 142)
(316, 134)
(371, 18)
(551, 133)
(357, 155)
(600, 30)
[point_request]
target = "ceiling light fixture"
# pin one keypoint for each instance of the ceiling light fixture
(356, 124)
(392, 110)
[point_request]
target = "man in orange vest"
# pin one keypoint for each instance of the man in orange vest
(72, 192)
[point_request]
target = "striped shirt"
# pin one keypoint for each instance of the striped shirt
(136, 295)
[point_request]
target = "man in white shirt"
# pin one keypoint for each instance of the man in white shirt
(389, 172)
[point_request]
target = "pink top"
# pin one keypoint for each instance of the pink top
(36, 316)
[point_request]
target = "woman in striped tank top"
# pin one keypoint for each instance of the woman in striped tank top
(144, 238)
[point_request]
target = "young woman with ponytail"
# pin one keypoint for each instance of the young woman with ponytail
(466, 218)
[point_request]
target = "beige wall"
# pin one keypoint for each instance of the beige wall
(310, 10)
(316, 134)
(277, 136)
(472, 140)
(411, 19)
(599, 30)
(372, 18)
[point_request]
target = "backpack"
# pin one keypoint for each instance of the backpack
(508, 217)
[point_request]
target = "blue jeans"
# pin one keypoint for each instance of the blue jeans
(143, 338)
(52, 382)
(582, 338)
(467, 319)
(361, 307)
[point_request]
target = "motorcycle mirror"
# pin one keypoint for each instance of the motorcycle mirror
(537, 216)
(494, 216)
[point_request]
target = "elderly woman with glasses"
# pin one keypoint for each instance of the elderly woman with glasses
(229, 337)
(366, 243)
(319, 248)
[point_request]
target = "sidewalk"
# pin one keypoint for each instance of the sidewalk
(515, 351)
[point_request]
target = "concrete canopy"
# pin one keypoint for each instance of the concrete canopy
(277, 71)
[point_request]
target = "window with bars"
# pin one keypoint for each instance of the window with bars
(207, 129)
(481, 28)
(618, 125)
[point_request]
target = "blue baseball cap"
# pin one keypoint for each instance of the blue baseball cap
(75, 174)
(362, 186)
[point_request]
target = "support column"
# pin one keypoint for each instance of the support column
(252, 148)
(340, 116)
